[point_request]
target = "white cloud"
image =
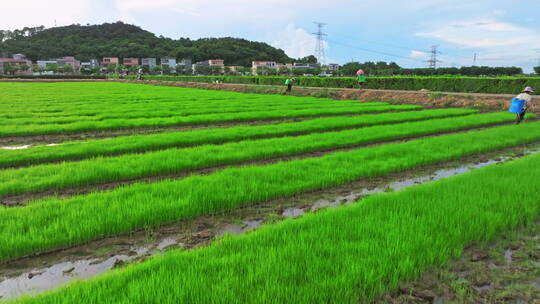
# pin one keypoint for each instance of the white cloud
(496, 42)
(499, 12)
(18, 14)
(295, 41)
(485, 33)
(418, 54)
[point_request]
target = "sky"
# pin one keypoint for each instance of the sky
(501, 33)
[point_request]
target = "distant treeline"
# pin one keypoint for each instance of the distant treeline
(125, 41)
(389, 69)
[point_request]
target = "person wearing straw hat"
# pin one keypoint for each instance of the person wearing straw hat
(289, 83)
(520, 104)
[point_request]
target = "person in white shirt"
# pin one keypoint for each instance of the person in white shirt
(525, 96)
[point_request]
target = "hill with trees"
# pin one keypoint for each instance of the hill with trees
(124, 40)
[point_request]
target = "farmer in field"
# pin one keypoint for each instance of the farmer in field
(361, 78)
(289, 83)
(520, 104)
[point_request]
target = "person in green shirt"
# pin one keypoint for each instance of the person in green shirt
(361, 80)
(289, 83)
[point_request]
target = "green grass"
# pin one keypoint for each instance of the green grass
(173, 161)
(168, 113)
(56, 108)
(115, 124)
(346, 255)
(141, 143)
(55, 223)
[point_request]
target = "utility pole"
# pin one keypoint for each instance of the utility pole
(433, 57)
(474, 60)
(319, 46)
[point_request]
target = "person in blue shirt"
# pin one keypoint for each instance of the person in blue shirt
(520, 104)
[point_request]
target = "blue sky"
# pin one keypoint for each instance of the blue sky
(502, 33)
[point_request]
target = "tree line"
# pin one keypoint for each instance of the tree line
(392, 69)
(122, 40)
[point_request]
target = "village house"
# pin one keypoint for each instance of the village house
(130, 62)
(13, 65)
(109, 60)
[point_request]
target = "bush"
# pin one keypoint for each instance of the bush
(502, 85)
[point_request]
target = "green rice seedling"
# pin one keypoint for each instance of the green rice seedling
(173, 161)
(113, 124)
(345, 255)
(142, 143)
(55, 223)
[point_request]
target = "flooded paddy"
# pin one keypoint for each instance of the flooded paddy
(48, 271)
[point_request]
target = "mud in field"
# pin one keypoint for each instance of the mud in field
(50, 270)
(28, 141)
(23, 199)
(505, 271)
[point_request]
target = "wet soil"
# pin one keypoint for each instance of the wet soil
(50, 270)
(506, 270)
(23, 199)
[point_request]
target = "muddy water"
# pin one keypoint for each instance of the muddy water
(41, 279)
(394, 186)
(33, 275)
(16, 147)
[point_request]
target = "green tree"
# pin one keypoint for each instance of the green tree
(202, 70)
(51, 67)
(112, 68)
(66, 68)
(166, 69)
(133, 69)
(24, 67)
(10, 69)
(124, 40)
(307, 59)
(216, 70)
(156, 69)
(537, 70)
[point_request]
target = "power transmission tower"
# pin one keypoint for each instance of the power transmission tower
(433, 58)
(319, 46)
(474, 60)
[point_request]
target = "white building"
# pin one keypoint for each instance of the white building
(170, 62)
(149, 62)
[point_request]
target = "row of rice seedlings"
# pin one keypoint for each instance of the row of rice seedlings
(55, 223)
(174, 113)
(140, 143)
(96, 97)
(112, 124)
(351, 254)
(173, 161)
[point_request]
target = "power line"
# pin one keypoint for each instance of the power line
(319, 46)
(433, 57)
(373, 51)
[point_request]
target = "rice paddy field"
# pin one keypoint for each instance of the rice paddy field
(127, 193)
